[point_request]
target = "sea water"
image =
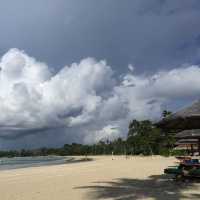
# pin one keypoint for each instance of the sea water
(23, 162)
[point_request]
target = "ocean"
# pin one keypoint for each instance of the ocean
(24, 162)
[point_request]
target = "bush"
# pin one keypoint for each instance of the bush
(165, 152)
(176, 152)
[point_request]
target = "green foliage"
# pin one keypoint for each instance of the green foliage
(165, 152)
(143, 138)
(178, 152)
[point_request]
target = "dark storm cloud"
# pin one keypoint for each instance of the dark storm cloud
(149, 34)
(11, 133)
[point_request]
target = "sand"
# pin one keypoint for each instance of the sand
(102, 178)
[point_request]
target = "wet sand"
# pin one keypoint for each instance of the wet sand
(102, 178)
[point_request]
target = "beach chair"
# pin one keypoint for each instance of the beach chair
(186, 169)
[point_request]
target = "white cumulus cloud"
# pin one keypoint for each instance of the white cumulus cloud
(84, 98)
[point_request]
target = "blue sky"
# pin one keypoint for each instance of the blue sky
(159, 40)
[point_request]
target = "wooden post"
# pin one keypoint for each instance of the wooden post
(192, 150)
(188, 149)
(199, 146)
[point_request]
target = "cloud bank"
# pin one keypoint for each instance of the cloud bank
(85, 100)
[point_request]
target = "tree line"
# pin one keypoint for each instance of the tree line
(143, 138)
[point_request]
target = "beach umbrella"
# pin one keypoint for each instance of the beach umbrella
(185, 119)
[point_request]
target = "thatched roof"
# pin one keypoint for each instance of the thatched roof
(186, 142)
(185, 147)
(192, 110)
(188, 134)
(187, 118)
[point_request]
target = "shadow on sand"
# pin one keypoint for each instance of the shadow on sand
(155, 187)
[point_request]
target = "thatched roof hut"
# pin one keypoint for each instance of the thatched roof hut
(189, 137)
(187, 142)
(185, 119)
(186, 147)
(189, 134)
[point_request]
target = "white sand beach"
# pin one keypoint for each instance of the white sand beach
(102, 178)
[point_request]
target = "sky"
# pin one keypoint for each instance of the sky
(80, 71)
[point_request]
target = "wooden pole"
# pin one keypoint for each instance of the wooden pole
(199, 146)
(192, 150)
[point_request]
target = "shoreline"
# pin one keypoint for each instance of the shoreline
(58, 160)
(21, 162)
